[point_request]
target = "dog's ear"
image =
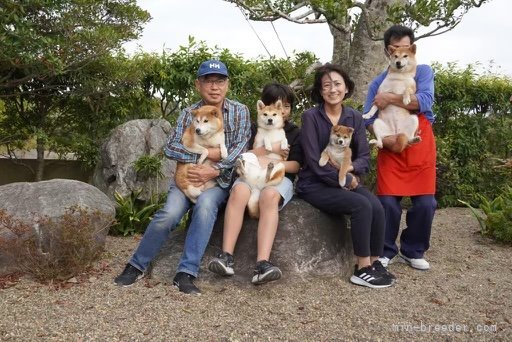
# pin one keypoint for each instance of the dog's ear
(350, 130)
(260, 105)
(215, 112)
(413, 48)
(279, 105)
(391, 49)
(194, 112)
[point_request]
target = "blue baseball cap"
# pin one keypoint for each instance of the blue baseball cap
(212, 66)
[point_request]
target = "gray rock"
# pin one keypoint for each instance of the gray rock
(308, 242)
(125, 145)
(51, 199)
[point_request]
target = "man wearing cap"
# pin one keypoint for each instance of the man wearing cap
(212, 83)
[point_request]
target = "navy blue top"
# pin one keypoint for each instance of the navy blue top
(315, 132)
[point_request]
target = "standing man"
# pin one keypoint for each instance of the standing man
(212, 83)
(410, 171)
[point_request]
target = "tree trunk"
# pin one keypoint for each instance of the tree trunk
(341, 48)
(360, 55)
(40, 159)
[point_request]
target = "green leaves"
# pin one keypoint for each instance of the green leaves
(132, 215)
(149, 166)
(47, 38)
(497, 219)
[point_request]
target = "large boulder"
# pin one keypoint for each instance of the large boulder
(125, 145)
(28, 202)
(308, 242)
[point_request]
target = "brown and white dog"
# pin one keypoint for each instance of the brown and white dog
(338, 151)
(399, 80)
(206, 130)
(270, 128)
(250, 171)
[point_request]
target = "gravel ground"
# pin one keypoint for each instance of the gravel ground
(467, 295)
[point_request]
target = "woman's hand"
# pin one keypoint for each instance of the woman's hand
(354, 183)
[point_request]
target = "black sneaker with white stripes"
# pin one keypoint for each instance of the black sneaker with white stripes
(370, 277)
(379, 267)
(264, 272)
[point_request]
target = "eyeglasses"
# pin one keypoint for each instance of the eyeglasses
(329, 85)
(219, 82)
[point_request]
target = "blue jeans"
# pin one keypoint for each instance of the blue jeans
(165, 220)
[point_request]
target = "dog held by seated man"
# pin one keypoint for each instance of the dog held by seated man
(270, 128)
(206, 130)
(338, 151)
(250, 171)
(393, 119)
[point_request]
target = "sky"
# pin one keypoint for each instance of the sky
(483, 37)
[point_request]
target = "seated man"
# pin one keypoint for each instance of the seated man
(212, 84)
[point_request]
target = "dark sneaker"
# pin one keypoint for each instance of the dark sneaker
(379, 267)
(370, 277)
(222, 264)
(183, 281)
(265, 272)
(129, 276)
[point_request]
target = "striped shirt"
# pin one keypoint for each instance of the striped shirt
(237, 130)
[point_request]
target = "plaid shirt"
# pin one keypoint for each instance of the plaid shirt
(237, 130)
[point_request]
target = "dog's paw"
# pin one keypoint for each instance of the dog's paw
(406, 99)
(343, 181)
(372, 142)
(415, 140)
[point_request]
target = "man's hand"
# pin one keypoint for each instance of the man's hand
(382, 100)
(200, 174)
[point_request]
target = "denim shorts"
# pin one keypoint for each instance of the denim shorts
(285, 189)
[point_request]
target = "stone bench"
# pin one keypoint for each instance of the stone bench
(308, 242)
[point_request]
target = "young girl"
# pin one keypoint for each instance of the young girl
(272, 199)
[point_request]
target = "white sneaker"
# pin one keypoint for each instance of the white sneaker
(385, 261)
(419, 264)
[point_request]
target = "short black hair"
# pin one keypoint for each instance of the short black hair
(397, 32)
(316, 92)
(277, 91)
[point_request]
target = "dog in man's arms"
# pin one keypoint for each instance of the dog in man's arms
(395, 120)
(206, 131)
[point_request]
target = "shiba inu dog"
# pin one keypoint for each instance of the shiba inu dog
(338, 151)
(206, 130)
(270, 128)
(399, 80)
(251, 172)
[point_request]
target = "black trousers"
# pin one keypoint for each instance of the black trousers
(367, 219)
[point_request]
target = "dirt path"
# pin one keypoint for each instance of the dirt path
(467, 295)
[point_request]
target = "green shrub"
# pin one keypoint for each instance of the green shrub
(497, 219)
(133, 214)
(149, 166)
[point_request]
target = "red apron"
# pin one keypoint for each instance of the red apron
(412, 172)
